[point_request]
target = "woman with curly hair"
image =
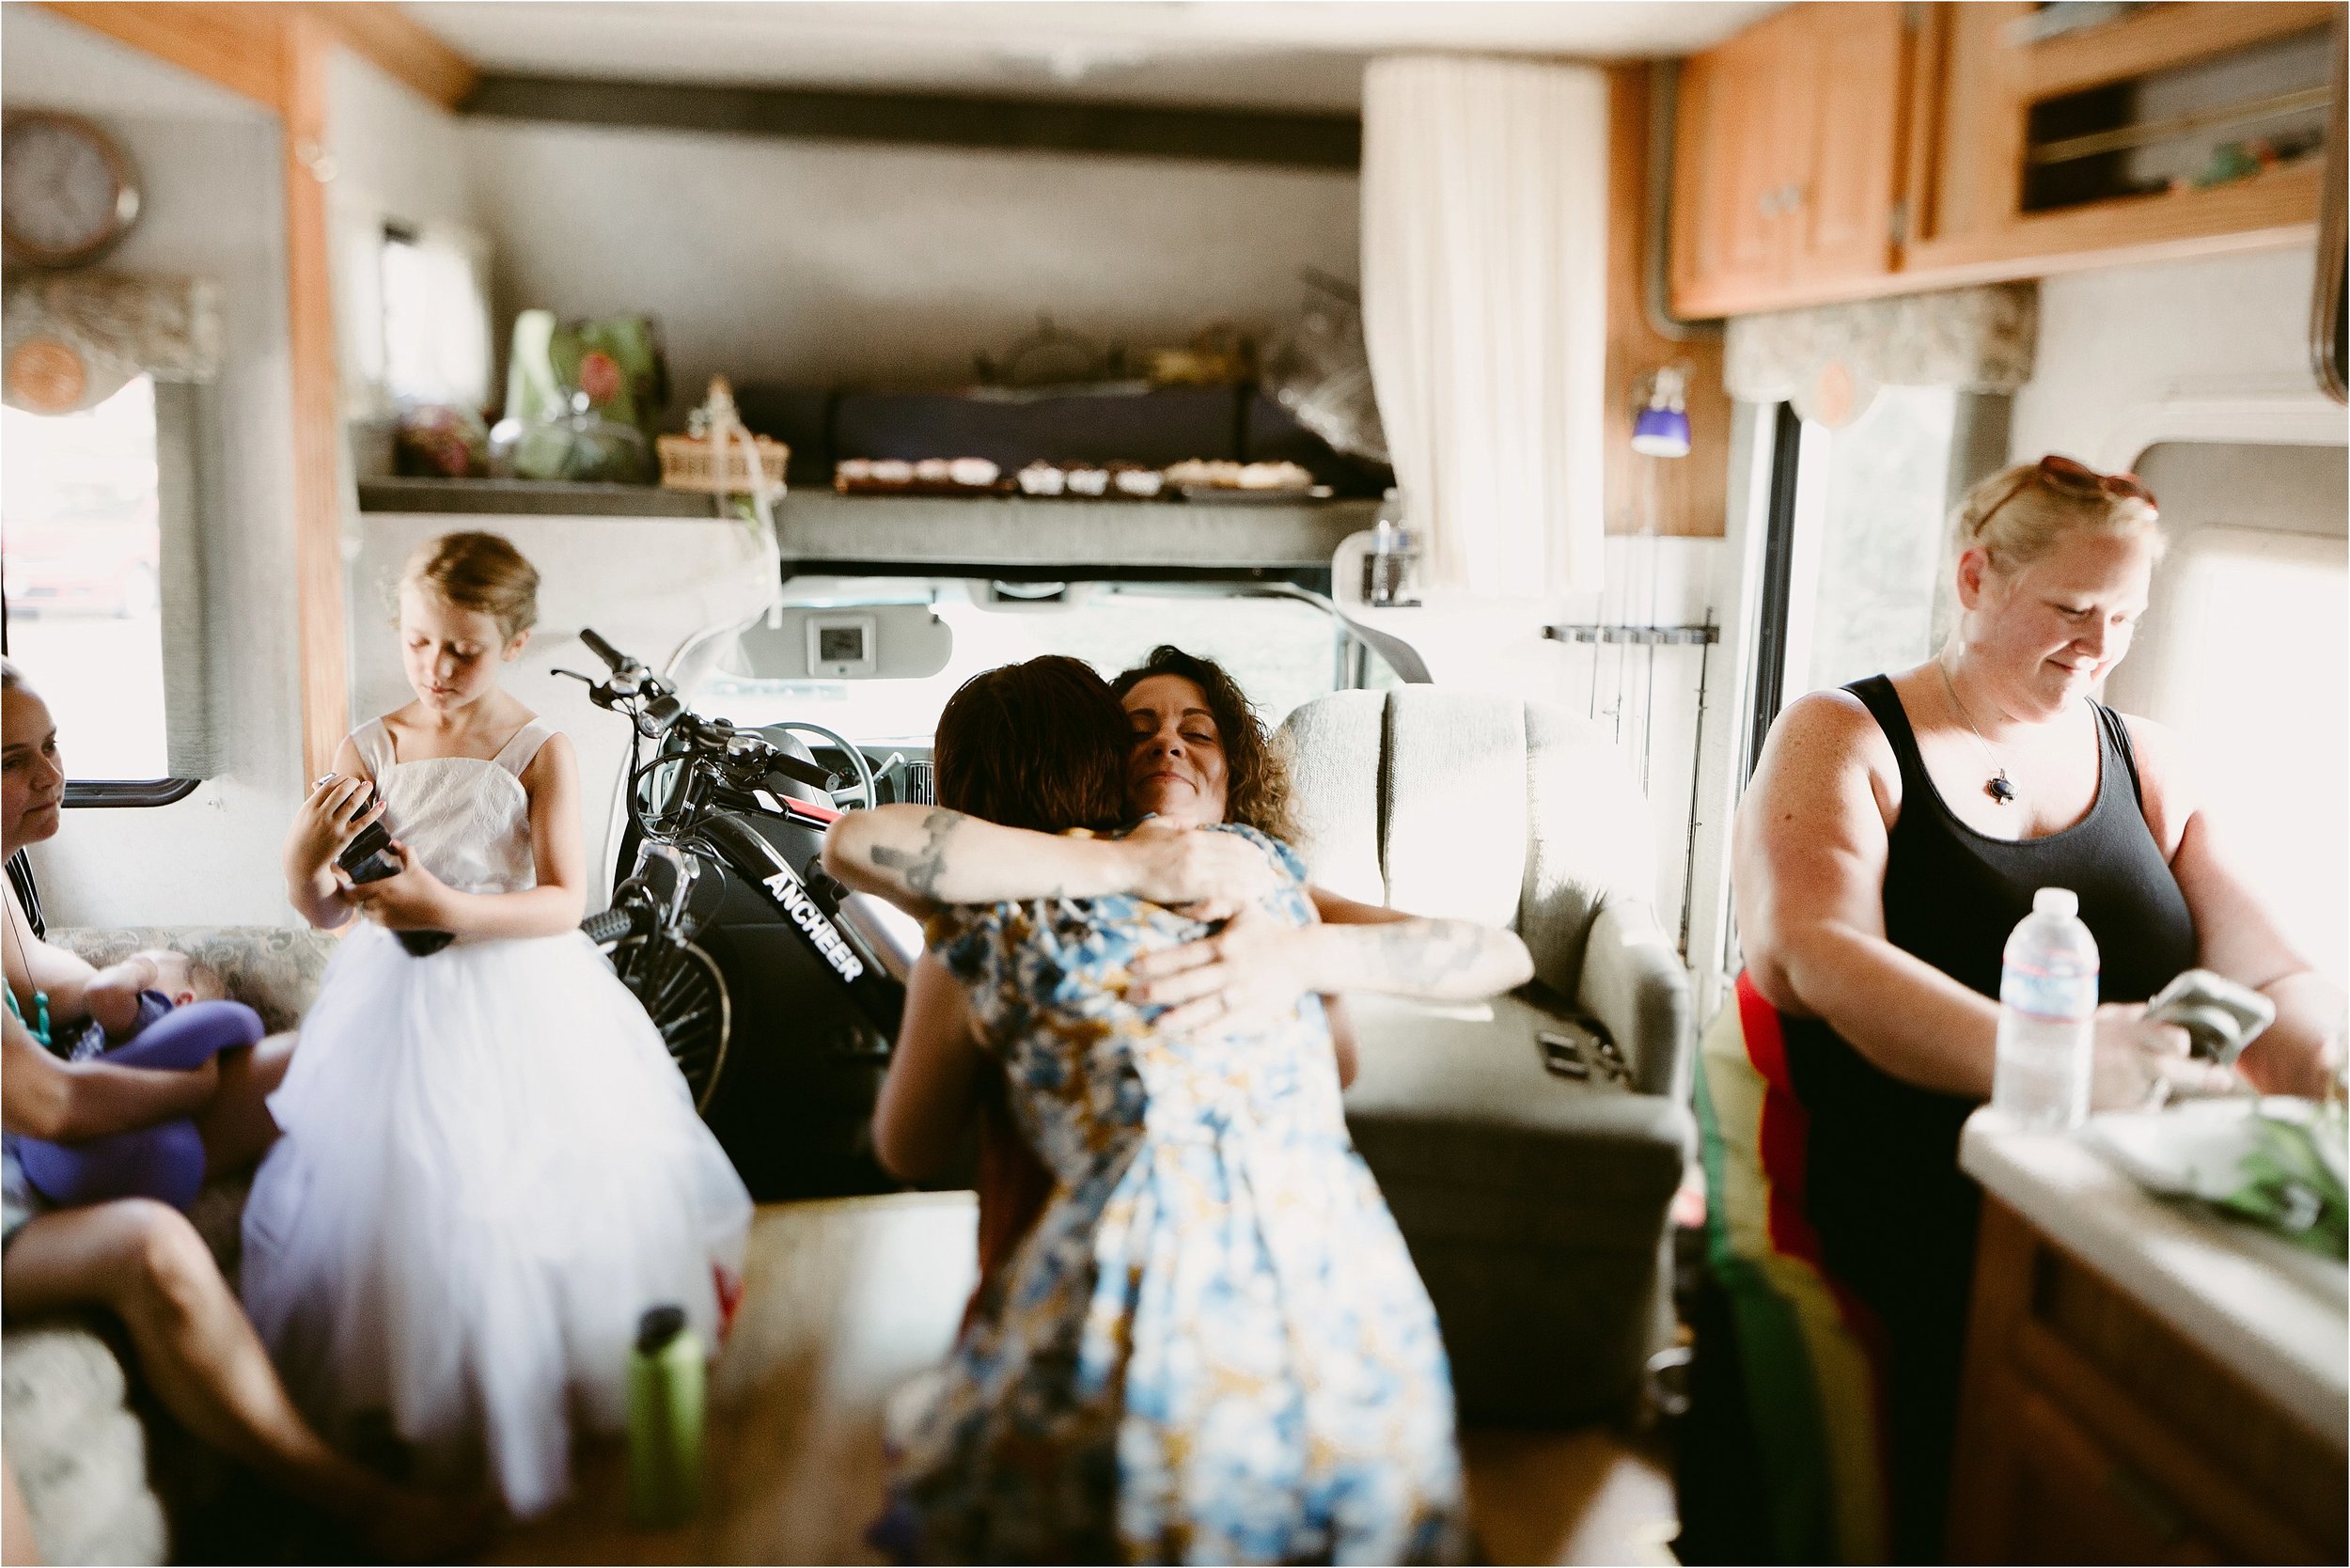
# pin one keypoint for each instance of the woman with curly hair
(1213, 1346)
(1196, 756)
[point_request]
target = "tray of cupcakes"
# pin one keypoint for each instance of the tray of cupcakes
(966, 477)
(1219, 482)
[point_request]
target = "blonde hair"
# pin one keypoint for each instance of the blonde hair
(480, 571)
(11, 678)
(2018, 514)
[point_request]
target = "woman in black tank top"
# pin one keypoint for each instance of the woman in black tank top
(1892, 837)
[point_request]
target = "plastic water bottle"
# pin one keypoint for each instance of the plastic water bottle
(665, 1419)
(2048, 1016)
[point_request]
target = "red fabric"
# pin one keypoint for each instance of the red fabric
(1786, 1126)
(1013, 1187)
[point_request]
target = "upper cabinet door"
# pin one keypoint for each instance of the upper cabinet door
(1853, 75)
(1737, 170)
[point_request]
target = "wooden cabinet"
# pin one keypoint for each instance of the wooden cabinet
(1835, 152)
(1972, 217)
(2092, 1432)
(1787, 159)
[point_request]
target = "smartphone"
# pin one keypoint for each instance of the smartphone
(2219, 1015)
(369, 858)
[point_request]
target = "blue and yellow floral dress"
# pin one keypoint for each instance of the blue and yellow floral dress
(1212, 1347)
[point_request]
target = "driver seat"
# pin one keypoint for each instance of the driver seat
(1534, 1205)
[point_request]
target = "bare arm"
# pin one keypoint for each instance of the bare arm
(75, 988)
(923, 857)
(1342, 1039)
(43, 1097)
(1808, 872)
(1256, 967)
(2234, 934)
(323, 829)
(415, 900)
(932, 1087)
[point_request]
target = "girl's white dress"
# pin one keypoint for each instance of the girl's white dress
(489, 1170)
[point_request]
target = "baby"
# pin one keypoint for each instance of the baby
(152, 982)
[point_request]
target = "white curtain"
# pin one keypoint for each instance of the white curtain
(1485, 311)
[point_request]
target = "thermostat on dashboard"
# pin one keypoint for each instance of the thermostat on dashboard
(843, 645)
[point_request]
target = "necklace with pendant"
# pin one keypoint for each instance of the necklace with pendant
(1998, 785)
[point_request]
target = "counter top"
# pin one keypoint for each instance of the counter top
(2274, 1314)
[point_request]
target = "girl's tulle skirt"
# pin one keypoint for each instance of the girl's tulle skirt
(490, 1171)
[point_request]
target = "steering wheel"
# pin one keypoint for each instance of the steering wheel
(867, 791)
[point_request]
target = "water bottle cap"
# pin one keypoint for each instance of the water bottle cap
(2056, 900)
(657, 1328)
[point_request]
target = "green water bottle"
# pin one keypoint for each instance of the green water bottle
(665, 1419)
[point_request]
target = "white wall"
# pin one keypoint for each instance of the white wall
(819, 263)
(2129, 355)
(213, 208)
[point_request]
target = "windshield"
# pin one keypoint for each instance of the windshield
(1282, 651)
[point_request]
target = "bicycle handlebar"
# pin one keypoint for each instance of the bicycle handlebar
(614, 660)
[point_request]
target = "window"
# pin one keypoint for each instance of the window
(436, 327)
(1283, 651)
(2244, 654)
(81, 568)
(2243, 606)
(1858, 521)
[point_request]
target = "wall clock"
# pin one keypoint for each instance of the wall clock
(68, 193)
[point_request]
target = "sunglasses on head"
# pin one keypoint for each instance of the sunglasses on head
(2077, 478)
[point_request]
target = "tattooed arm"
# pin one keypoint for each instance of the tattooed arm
(921, 857)
(1256, 965)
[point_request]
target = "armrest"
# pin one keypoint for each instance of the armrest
(1634, 984)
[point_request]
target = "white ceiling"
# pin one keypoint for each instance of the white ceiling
(1274, 53)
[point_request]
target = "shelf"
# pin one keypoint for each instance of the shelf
(531, 498)
(2167, 36)
(818, 527)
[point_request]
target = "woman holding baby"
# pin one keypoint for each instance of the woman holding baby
(136, 1079)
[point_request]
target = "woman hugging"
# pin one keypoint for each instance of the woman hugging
(1210, 1346)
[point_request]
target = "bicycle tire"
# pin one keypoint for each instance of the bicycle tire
(682, 992)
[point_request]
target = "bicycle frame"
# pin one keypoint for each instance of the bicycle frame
(730, 840)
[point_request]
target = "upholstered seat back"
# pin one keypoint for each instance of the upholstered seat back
(1473, 805)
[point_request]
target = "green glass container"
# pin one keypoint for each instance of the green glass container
(666, 1388)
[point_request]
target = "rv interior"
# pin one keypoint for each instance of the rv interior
(1544, 412)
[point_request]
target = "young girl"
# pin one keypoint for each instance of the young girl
(490, 1167)
(1213, 1346)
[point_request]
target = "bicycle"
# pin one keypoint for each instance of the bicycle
(693, 802)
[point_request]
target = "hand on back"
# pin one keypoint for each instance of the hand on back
(1209, 876)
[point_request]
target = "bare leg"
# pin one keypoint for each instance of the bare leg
(16, 1527)
(199, 1351)
(236, 1125)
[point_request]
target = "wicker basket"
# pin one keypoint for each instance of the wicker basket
(690, 464)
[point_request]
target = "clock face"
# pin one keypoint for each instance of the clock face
(66, 190)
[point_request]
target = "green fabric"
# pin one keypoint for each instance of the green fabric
(1782, 1403)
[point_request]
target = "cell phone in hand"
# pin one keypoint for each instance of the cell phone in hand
(2218, 1014)
(369, 858)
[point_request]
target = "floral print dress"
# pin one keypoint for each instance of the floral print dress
(1212, 1347)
